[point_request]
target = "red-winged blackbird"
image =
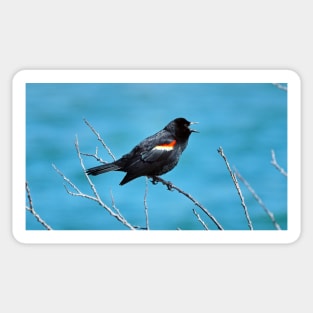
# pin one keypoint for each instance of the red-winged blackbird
(155, 155)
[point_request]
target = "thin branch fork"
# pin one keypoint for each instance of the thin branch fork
(200, 220)
(276, 165)
(100, 139)
(259, 200)
(95, 155)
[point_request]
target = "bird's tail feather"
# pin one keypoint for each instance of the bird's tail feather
(103, 169)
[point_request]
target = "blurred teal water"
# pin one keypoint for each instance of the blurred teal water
(247, 120)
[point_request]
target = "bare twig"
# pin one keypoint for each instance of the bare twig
(280, 86)
(146, 204)
(115, 207)
(199, 219)
(259, 200)
(276, 165)
(31, 209)
(170, 186)
(95, 155)
(233, 176)
(100, 139)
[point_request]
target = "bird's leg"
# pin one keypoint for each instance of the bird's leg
(154, 179)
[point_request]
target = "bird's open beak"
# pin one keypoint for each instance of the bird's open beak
(193, 130)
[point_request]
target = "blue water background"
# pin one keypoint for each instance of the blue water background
(246, 120)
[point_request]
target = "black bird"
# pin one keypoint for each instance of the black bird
(154, 156)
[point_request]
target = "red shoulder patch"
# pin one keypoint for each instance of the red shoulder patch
(171, 144)
(166, 146)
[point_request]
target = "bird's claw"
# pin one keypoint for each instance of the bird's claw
(154, 180)
(169, 186)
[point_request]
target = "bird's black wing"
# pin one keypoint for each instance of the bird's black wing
(160, 151)
(153, 148)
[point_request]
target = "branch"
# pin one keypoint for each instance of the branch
(280, 86)
(276, 165)
(259, 200)
(146, 205)
(199, 219)
(233, 176)
(31, 209)
(170, 186)
(100, 139)
(95, 155)
(96, 196)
